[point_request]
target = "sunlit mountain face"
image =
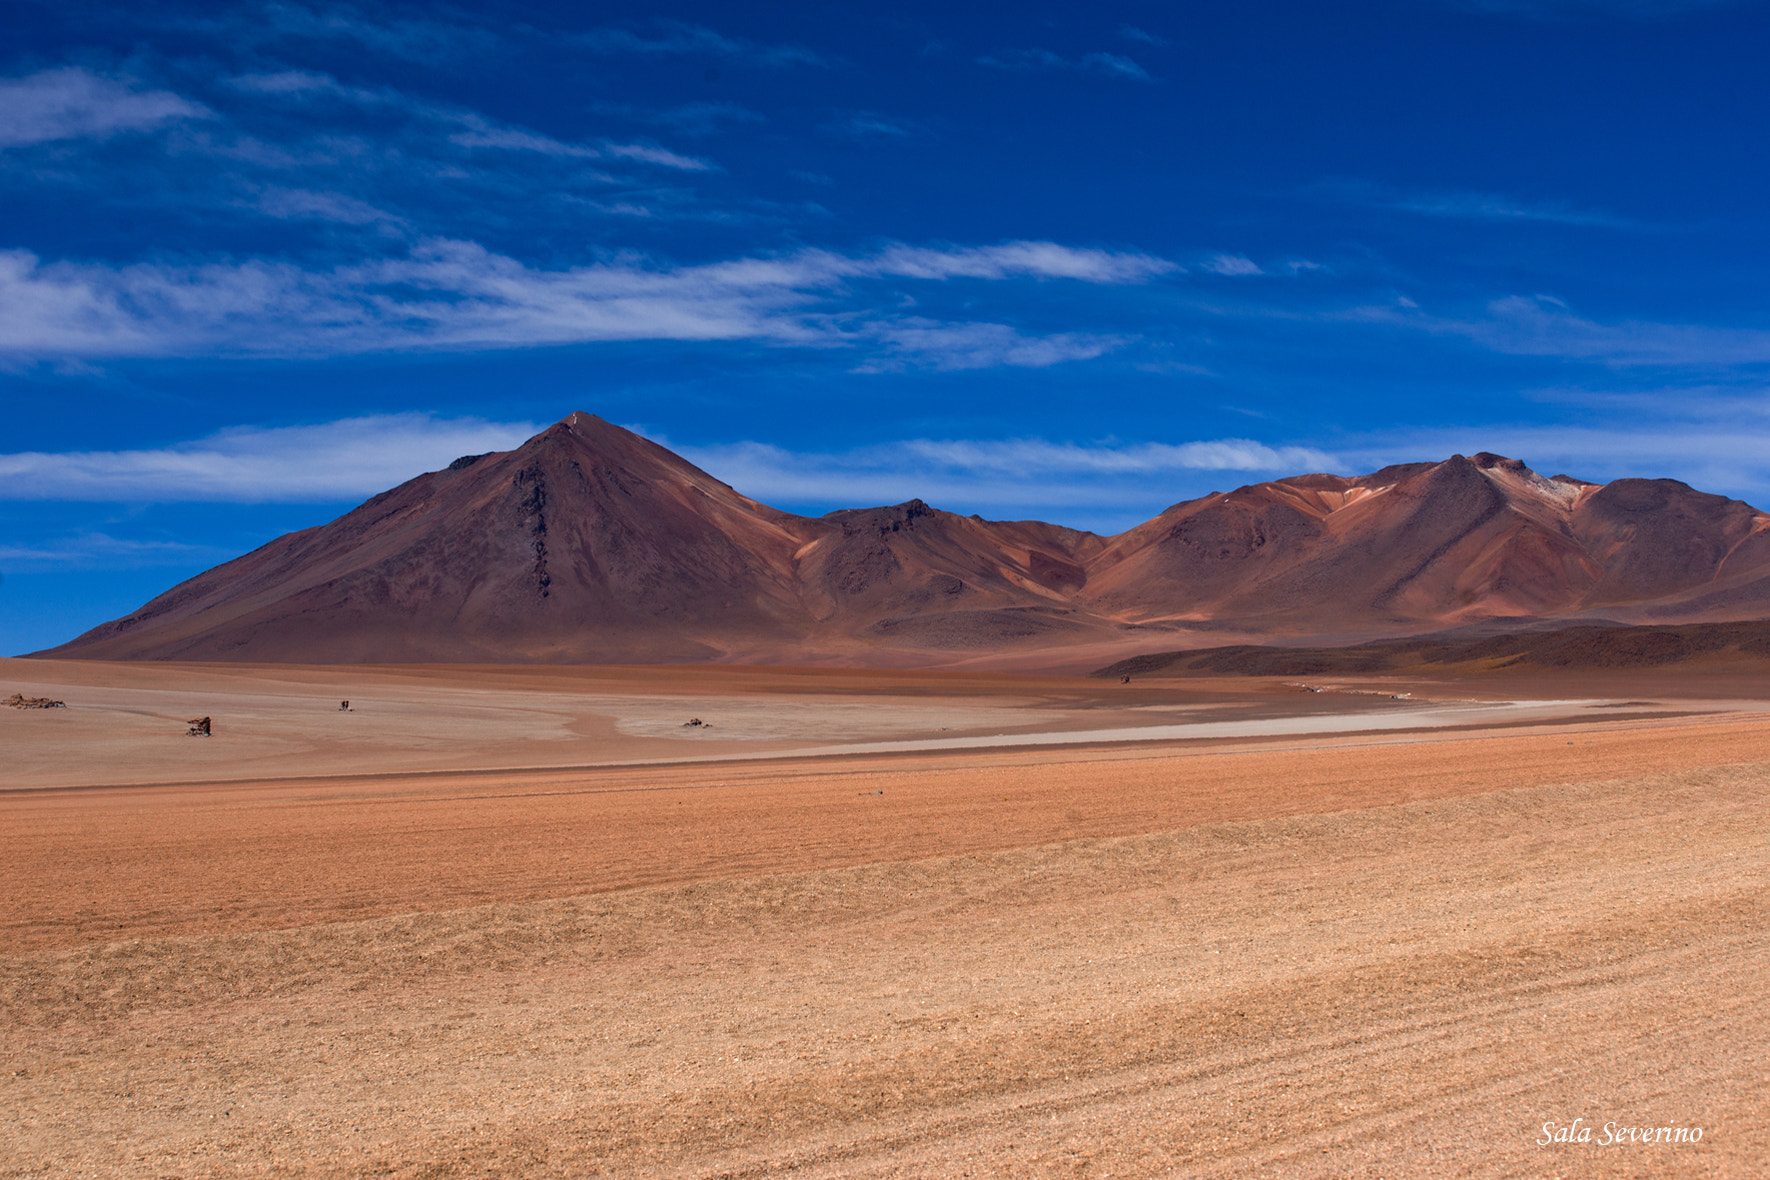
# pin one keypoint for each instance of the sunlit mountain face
(589, 543)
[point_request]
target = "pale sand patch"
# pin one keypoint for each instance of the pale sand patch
(120, 728)
(126, 724)
(1421, 715)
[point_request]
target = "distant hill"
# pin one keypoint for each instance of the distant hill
(591, 544)
(1587, 647)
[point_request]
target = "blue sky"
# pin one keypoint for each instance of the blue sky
(1075, 262)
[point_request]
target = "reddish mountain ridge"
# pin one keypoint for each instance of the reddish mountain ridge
(591, 544)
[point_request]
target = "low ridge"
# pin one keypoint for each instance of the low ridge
(1584, 647)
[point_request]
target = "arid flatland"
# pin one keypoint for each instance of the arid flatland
(525, 922)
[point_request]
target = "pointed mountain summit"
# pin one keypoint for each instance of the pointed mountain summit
(591, 544)
(588, 542)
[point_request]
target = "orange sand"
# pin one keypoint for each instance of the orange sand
(1367, 955)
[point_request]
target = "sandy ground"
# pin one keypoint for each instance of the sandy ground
(521, 922)
(125, 724)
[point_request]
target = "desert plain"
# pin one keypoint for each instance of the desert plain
(527, 921)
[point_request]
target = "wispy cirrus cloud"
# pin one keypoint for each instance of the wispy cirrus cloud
(313, 84)
(1045, 260)
(74, 103)
(330, 461)
(302, 147)
(1111, 65)
(456, 295)
(649, 154)
(669, 37)
(1473, 206)
(1542, 325)
(354, 458)
(462, 128)
(1719, 453)
(1143, 37)
(306, 204)
(1114, 485)
(1492, 207)
(865, 125)
(1720, 444)
(476, 132)
(1043, 457)
(86, 548)
(1231, 265)
(429, 40)
(923, 343)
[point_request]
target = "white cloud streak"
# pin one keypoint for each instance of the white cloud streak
(1045, 260)
(480, 134)
(1493, 207)
(1233, 265)
(674, 38)
(111, 552)
(355, 458)
(74, 103)
(308, 84)
(1723, 457)
(307, 205)
(463, 128)
(1143, 37)
(1543, 326)
(1037, 455)
(1118, 482)
(927, 343)
(358, 457)
(1111, 65)
(430, 41)
(458, 295)
(342, 460)
(865, 125)
(1473, 206)
(662, 157)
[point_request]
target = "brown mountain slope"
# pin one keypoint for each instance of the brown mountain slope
(589, 543)
(1465, 539)
(586, 543)
(912, 575)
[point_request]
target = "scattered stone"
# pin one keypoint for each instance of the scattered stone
(199, 727)
(695, 723)
(18, 700)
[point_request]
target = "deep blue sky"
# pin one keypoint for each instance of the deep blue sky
(1069, 261)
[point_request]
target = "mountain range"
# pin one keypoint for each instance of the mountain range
(591, 544)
